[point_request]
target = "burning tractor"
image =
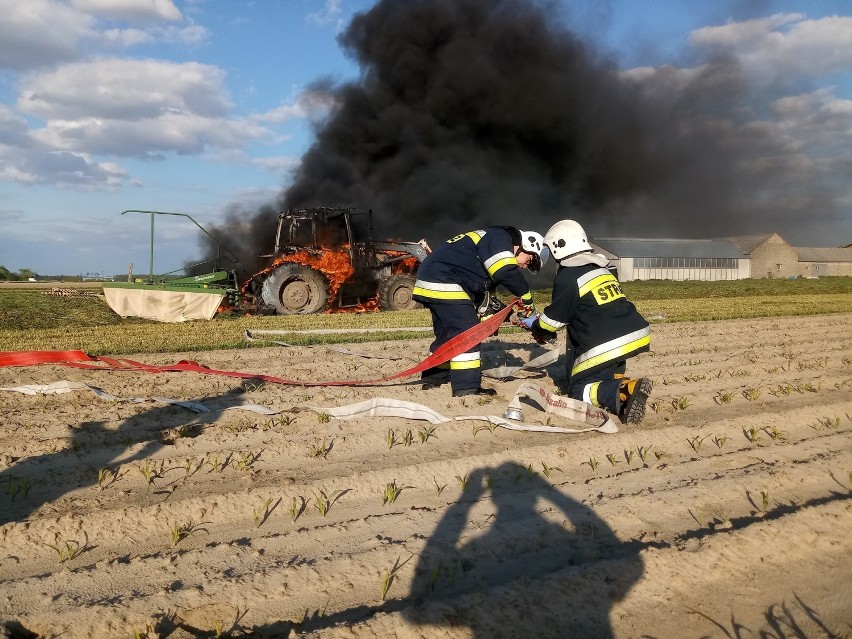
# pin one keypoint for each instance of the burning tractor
(320, 264)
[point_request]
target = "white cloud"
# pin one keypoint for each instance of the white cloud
(331, 13)
(39, 33)
(783, 44)
(126, 89)
(311, 104)
(130, 10)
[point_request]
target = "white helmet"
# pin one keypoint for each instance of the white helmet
(565, 238)
(533, 243)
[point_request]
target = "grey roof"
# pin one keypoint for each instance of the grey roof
(807, 254)
(748, 243)
(624, 247)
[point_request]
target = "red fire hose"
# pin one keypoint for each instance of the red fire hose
(78, 359)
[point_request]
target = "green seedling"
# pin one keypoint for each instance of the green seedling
(248, 459)
(656, 406)
(438, 488)
(180, 532)
(391, 438)
(324, 502)
(297, 507)
(149, 472)
(462, 480)
(610, 457)
(593, 463)
(390, 575)
(18, 487)
(408, 438)
(680, 403)
(392, 491)
(549, 470)
(752, 434)
(660, 454)
(724, 398)
(530, 472)
(260, 515)
(67, 550)
(695, 442)
(829, 422)
(106, 476)
(215, 464)
(320, 449)
(433, 577)
(425, 433)
(775, 434)
(720, 440)
(488, 426)
(643, 452)
(323, 418)
(628, 455)
(751, 394)
(764, 496)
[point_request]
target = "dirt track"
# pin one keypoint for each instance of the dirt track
(493, 534)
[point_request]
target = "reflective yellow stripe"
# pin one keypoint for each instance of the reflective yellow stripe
(441, 295)
(600, 279)
(613, 354)
(475, 236)
(527, 299)
(465, 361)
(593, 394)
(503, 263)
(548, 324)
(456, 366)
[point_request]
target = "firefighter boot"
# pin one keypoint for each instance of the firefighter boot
(633, 394)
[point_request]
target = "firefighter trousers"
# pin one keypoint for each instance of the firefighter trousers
(599, 388)
(449, 320)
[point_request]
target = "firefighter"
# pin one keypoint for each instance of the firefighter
(458, 277)
(604, 328)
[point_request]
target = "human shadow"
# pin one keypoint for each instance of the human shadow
(535, 563)
(543, 565)
(35, 481)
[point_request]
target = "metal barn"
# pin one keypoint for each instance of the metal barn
(670, 259)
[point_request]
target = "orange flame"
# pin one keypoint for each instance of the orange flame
(336, 266)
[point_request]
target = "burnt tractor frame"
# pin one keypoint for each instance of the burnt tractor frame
(382, 270)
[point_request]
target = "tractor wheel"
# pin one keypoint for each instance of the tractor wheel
(395, 293)
(293, 289)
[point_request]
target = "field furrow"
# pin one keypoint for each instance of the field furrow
(728, 508)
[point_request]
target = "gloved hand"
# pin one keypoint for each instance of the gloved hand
(529, 321)
(525, 311)
(542, 335)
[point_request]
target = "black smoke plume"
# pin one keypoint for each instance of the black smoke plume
(476, 112)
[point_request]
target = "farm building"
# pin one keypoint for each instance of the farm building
(769, 255)
(757, 256)
(668, 259)
(822, 262)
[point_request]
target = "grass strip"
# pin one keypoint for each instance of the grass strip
(32, 321)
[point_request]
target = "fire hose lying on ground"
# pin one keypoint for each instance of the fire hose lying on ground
(590, 417)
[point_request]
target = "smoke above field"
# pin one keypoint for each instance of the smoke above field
(476, 112)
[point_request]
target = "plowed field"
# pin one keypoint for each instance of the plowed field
(726, 513)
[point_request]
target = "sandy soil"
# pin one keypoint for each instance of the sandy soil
(191, 530)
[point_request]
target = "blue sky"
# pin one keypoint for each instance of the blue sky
(195, 105)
